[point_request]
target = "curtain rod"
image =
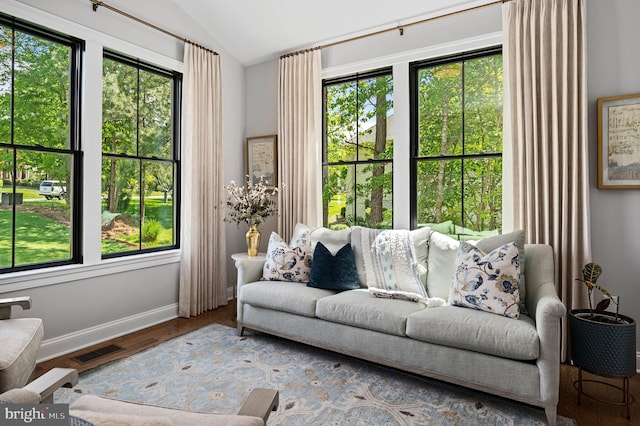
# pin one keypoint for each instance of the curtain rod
(97, 3)
(399, 28)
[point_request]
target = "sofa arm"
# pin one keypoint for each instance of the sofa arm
(41, 389)
(546, 308)
(260, 403)
(6, 304)
(249, 271)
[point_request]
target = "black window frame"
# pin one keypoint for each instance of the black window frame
(77, 47)
(176, 133)
(414, 69)
(386, 71)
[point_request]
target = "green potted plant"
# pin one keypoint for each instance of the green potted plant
(602, 342)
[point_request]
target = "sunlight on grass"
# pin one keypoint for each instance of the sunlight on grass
(38, 239)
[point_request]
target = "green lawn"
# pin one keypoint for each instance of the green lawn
(38, 239)
(41, 239)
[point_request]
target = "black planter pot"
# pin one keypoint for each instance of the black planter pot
(605, 349)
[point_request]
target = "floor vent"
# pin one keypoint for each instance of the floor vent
(90, 356)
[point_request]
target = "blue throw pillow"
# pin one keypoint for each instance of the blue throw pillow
(337, 272)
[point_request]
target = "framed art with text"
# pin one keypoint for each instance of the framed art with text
(619, 142)
(262, 159)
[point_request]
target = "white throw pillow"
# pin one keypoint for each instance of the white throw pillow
(487, 281)
(332, 240)
(441, 263)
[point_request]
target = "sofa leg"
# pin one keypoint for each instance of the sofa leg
(551, 412)
(240, 330)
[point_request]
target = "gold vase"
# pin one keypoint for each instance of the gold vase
(253, 240)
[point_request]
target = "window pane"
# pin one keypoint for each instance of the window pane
(43, 219)
(439, 192)
(157, 228)
(121, 205)
(336, 195)
(483, 194)
(375, 113)
(341, 121)
(374, 206)
(155, 115)
(483, 105)
(119, 108)
(440, 110)
(41, 92)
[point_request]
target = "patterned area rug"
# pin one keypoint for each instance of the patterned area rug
(213, 370)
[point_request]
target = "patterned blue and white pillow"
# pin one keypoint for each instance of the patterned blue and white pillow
(487, 281)
(286, 262)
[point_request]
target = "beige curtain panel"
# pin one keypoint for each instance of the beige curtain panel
(203, 284)
(299, 134)
(544, 50)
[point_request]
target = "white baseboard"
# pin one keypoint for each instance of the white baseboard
(61, 345)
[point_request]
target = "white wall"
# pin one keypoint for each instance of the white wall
(84, 304)
(613, 69)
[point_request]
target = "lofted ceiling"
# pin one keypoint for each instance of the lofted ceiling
(254, 31)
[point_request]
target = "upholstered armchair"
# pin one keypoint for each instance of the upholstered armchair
(96, 409)
(20, 339)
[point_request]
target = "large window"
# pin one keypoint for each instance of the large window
(140, 168)
(39, 147)
(456, 140)
(358, 151)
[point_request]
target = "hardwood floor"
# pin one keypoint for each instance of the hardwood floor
(589, 413)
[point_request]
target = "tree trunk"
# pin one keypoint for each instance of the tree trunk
(377, 190)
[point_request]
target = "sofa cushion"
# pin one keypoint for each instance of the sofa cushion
(487, 281)
(283, 296)
(357, 308)
(477, 331)
(286, 262)
(333, 272)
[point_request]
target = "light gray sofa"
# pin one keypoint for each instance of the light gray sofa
(513, 358)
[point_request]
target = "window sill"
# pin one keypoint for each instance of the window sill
(51, 276)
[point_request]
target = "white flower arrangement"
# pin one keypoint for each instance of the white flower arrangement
(252, 204)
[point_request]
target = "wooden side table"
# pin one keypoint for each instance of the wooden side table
(261, 257)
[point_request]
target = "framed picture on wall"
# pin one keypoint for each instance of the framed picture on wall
(262, 159)
(619, 142)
